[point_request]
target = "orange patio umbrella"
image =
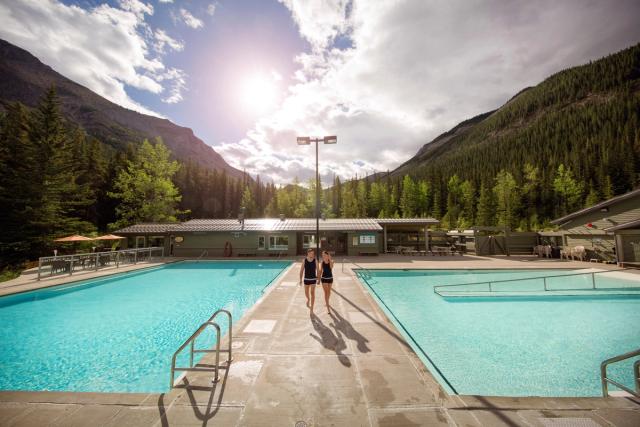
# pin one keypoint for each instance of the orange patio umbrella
(109, 237)
(73, 238)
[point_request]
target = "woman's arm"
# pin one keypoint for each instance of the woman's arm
(301, 271)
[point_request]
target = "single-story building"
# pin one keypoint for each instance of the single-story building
(627, 240)
(609, 230)
(279, 236)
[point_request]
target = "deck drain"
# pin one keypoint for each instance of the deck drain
(301, 424)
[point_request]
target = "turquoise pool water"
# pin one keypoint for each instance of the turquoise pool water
(118, 334)
(504, 346)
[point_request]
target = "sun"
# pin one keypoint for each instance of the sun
(258, 93)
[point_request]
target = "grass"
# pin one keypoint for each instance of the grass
(8, 274)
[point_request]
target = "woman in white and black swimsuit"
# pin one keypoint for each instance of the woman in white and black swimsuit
(326, 277)
(309, 276)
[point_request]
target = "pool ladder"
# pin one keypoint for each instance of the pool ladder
(193, 350)
(636, 374)
(367, 274)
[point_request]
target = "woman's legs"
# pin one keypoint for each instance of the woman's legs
(306, 293)
(326, 287)
(310, 290)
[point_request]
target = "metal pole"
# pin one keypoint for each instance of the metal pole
(593, 280)
(317, 204)
(39, 267)
(117, 259)
(135, 256)
(71, 266)
(545, 283)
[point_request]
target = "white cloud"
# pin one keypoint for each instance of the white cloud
(211, 9)
(387, 77)
(165, 1)
(190, 20)
(137, 7)
(104, 48)
(162, 40)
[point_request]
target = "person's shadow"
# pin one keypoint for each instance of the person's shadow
(329, 340)
(344, 327)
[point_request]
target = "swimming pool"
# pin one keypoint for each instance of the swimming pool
(509, 346)
(118, 334)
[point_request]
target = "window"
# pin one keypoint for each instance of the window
(261, 242)
(368, 239)
(309, 241)
(156, 241)
(354, 241)
(279, 243)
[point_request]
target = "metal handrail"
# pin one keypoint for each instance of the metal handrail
(357, 265)
(95, 258)
(192, 350)
(636, 374)
(205, 252)
(438, 288)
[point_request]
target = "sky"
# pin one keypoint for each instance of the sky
(248, 76)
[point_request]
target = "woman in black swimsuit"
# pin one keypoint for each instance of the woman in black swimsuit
(309, 276)
(326, 277)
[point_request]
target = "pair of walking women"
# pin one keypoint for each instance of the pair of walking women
(312, 273)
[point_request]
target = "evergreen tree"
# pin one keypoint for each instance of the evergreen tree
(17, 192)
(58, 198)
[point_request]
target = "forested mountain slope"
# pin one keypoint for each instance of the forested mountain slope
(25, 79)
(586, 118)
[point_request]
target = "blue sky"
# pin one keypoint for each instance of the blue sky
(248, 76)
(239, 37)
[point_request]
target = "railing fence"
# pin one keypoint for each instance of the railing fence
(67, 264)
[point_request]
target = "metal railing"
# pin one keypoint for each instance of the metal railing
(490, 286)
(67, 264)
(365, 270)
(636, 374)
(192, 350)
(205, 252)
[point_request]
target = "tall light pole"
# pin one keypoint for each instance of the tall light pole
(306, 140)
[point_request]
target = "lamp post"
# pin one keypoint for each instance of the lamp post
(306, 140)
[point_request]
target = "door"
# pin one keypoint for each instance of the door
(140, 242)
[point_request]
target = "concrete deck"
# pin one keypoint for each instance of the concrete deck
(350, 368)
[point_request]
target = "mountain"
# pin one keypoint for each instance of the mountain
(25, 79)
(586, 118)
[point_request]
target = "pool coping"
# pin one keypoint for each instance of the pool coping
(456, 404)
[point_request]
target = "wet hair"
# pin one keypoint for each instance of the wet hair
(310, 250)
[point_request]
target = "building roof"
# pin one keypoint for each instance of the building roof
(421, 221)
(145, 228)
(598, 206)
(275, 224)
(630, 224)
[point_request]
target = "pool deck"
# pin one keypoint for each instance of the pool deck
(351, 368)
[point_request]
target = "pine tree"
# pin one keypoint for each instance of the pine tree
(486, 207)
(59, 198)
(17, 192)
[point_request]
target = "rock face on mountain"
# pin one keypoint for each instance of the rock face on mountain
(24, 78)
